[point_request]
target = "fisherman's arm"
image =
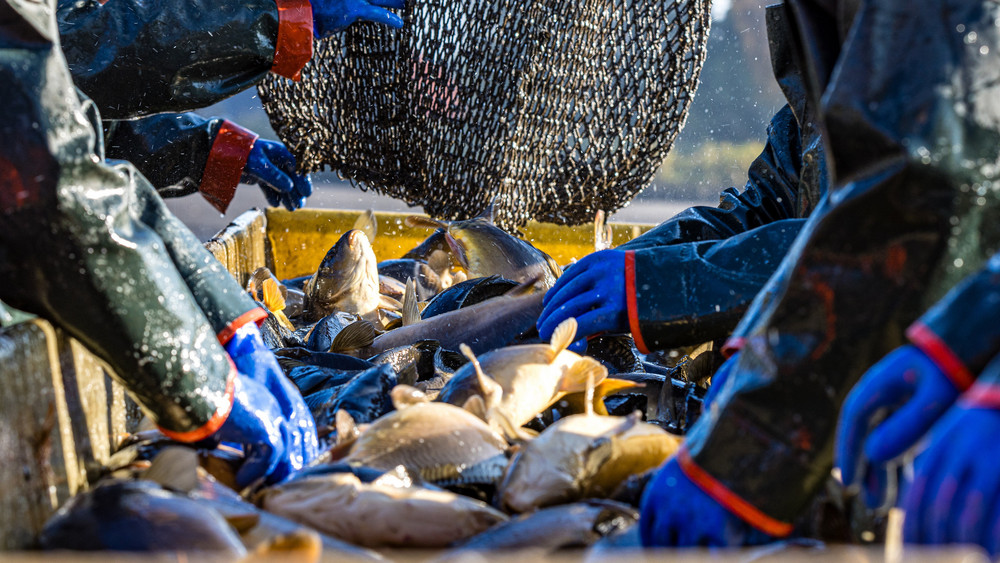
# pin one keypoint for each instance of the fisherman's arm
(689, 279)
(139, 57)
(184, 153)
(898, 225)
(72, 251)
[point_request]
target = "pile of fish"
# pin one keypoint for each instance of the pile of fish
(444, 421)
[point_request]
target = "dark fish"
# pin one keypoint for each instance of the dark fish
(139, 516)
(276, 334)
(572, 525)
(483, 327)
(423, 251)
(420, 361)
(365, 397)
(616, 351)
(339, 332)
(428, 283)
(467, 293)
(293, 357)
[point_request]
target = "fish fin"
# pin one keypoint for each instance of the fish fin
(347, 430)
(426, 222)
(302, 544)
(367, 224)
(602, 232)
(175, 468)
(404, 396)
(511, 431)
(575, 380)
(476, 406)
(562, 337)
(554, 266)
(492, 391)
(358, 334)
(255, 280)
(610, 386)
(489, 213)
(411, 314)
(387, 302)
(439, 261)
(525, 287)
(273, 299)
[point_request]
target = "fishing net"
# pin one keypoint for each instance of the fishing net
(556, 108)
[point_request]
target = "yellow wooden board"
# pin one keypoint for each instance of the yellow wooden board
(300, 239)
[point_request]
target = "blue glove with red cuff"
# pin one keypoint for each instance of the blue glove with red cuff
(269, 417)
(333, 16)
(909, 387)
(955, 494)
(677, 513)
(593, 291)
(272, 167)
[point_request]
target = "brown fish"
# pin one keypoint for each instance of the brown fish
(346, 280)
(438, 440)
(385, 512)
(518, 382)
(483, 326)
(582, 456)
(484, 249)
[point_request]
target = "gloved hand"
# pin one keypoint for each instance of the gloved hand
(719, 379)
(333, 16)
(272, 167)
(955, 494)
(677, 513)
(593, 291)
(269, 417)
(915, 392)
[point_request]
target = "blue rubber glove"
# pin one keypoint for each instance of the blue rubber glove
(333, 16)
(593, 291)
(677, 513)
(269, 417)
(272, 167)
(955, 494)
(914, 391)
(719, 379)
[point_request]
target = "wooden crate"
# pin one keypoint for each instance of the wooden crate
(62, 415)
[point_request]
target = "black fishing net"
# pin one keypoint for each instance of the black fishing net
(558, 107)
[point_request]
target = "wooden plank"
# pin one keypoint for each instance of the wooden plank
(60, 418)
(300, 239)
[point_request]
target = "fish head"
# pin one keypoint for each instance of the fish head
(348, 272)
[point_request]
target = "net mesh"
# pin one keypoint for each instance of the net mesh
(555, 108)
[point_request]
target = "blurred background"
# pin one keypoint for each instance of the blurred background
(725, 131)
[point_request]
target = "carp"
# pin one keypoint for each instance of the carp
(572, 525)
(582, 456)
(484, 249)
(346, 280)
(518, 382)
(139, 515)
(438, 440)
(386, 512)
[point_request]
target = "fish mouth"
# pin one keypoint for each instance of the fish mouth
(458, 249)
